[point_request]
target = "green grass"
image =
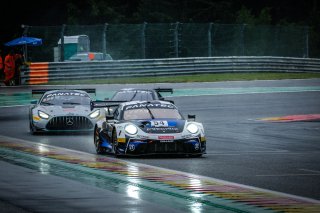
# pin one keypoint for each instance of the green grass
(195, 78)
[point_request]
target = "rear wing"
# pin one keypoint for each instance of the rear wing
(158, 90)
(104, 104)
(42, 91)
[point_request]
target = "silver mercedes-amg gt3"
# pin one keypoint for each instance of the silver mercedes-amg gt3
(62, 111)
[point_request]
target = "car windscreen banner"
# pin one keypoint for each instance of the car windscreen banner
(149, 105)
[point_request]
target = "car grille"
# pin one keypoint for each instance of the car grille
(69, 123)
(177, 146)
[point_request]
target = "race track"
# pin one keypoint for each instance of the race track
(242, 145)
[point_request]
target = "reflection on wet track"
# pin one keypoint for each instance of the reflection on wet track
(180, 190)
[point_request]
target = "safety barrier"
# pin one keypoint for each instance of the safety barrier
(43, 73)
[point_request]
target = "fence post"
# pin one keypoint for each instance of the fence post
(104, 40)
(209, 40)
(25, 49)
(242, 39)
(306, 55)
(176, 40)
(25, 29)
(62, 42)
(143, 40)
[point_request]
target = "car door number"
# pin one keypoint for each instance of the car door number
(159, 123)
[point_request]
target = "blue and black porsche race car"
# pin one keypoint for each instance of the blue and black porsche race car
(147, 127)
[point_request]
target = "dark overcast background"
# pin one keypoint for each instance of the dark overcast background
(52, 13)
(37, 13)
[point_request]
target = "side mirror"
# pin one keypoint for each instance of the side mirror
(106, 99)
(191, 117)
(34, 102)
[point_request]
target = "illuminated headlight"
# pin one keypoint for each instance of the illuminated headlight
(43, 115)
(94, 114)
(131, 129)
(192, 128)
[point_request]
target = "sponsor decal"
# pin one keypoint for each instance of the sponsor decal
(163, 129)
(150, 105)
(159, 123)
(142, 137)
(196, 146)
(66, 94)
(131, 147)
(166, 137)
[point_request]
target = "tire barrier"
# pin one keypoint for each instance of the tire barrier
(44, 73)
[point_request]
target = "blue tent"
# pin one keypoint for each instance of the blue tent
(31, 41)
(24, 41)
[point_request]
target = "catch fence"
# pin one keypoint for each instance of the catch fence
(167, 40)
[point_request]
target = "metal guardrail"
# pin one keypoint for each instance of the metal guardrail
(42, 73)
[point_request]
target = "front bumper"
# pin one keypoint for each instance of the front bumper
(63, 123)
(191, 146)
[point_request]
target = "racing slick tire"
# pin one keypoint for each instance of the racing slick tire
(115, 143)
(97, 142)
(32, 129)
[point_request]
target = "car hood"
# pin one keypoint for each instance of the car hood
(160, 126)
(67, 110)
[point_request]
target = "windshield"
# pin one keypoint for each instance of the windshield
(156, 113)
(52, 99)
(133, 95)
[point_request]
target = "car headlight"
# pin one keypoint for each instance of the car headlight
(192, 128)
(43, 115)
(94, 114)
(131, 129)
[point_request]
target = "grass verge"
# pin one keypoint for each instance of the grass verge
(195, 78)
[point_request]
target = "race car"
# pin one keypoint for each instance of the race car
(136, 94)
(148, 127)
(63, 110)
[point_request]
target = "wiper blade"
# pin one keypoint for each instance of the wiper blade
(150, 112)
(134, 95)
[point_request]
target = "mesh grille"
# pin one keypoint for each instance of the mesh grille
(178, 146)
(69, 123)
